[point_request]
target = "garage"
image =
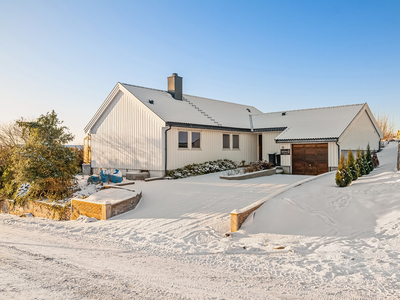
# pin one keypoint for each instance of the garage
(310, 159)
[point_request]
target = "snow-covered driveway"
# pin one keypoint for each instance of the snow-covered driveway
(195, 202)
(173, 247)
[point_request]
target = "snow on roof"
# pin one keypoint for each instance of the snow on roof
(192, 109)
(309, 124)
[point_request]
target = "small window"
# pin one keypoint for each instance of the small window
(235, 140)
(226, 141)
(183, 139)
(196, 140)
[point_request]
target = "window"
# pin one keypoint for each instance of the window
(195, 140)
(235, 140)
(183, 139)
(226, 143)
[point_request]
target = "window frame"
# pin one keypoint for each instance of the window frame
(191, 140)
(233, 142)
(223, 141)
(187, 140)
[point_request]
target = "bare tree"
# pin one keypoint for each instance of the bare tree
(11, 134)
(386, 125)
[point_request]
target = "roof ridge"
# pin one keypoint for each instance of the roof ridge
(220, 101)
(144, 87)
(303, 109)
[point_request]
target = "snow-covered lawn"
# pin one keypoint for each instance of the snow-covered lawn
(339, 243)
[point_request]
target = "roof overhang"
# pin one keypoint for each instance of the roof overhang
(200, 126)
(307, 141)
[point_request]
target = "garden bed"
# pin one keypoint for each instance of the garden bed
(249, 175)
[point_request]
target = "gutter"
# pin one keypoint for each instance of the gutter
(166, 149)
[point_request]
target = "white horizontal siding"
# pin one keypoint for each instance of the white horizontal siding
(211, 148)
(359, 133)
(127, 136)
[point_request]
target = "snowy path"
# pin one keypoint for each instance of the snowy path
(164, 253)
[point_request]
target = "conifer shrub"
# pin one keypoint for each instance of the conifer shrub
(365, 162)
(375, 160)
(360, 163)
(352, 165)
(343, 175)
(369, 158)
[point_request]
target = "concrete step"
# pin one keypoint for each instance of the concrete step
(137, 175)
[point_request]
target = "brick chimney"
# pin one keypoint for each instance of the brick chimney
(175, 86)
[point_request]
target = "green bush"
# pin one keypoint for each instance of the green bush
(343, 175)
(43, 162)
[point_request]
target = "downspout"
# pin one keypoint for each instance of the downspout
(338, 149)
(166, 149)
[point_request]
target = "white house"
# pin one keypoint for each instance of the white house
(138, 128)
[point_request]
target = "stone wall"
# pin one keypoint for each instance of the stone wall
(124, 206)
(37, 209)
(100, 211)
(103, 211)
(238, 218)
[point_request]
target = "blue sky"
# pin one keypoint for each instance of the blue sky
(274, 55)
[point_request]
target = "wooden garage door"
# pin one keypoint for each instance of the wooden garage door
(310, 159)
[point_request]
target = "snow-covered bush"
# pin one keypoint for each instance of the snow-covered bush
(258, 166)
(201, 169)
(343, 175)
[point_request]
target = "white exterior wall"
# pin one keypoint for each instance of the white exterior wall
(128, 136)
(269, 146)
(286, 160)
(360, 132)
(210, 147)
(333, 159)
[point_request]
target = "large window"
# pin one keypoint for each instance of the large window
(235, 140)
(183, 139)
(195, 140)
(226, 143)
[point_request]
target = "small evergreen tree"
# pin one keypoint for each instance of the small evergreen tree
(369, 158)
(343, 176)
(375, 160)
(43, 161)
(352, 165)
(360, 164)
(365, 162)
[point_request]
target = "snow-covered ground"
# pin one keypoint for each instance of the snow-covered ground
(339, 243)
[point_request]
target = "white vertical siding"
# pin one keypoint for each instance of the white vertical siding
(333, 155)
(211, 147)
(360, 132)
(269, 145)
(286, 160)
(127, 136)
